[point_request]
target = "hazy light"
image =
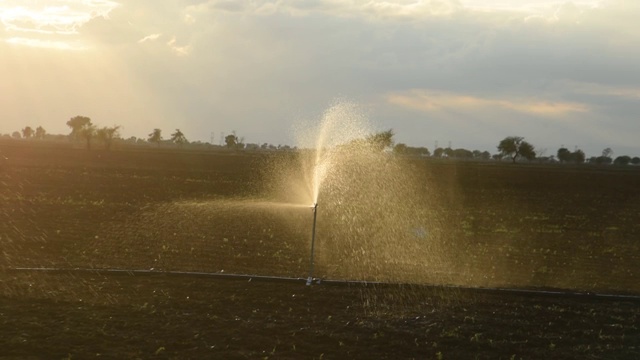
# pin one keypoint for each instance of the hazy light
(59, 19)
(50, 44)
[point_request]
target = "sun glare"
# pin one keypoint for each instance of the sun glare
(57, 21)
(49, 44)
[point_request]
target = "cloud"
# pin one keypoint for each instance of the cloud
(151, 37)
(624, 92)
(55, 17)
(427, 100)
(258, 66)
(228, 5)
(46, 43)
(178, 50)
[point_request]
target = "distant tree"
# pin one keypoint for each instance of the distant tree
(418, 151)
(578, 156)
(462, 154)
(381, 140)
(438, 152)
(88, 132)
(603, 159)
(527, 151)
(515, 146)
(107, 134)
(155, 136)
(40, 133)
(16, 135)
(635, 160)
(27, 132)
(600, 160)
(231, 141)
(564, 155)
(622, 160)
(178, 138)
(77, 124)
(448, 152)
(400, 149)
(485, 155)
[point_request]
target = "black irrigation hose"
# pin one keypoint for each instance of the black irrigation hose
(377, 284)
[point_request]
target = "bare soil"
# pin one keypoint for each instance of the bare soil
(573, 229)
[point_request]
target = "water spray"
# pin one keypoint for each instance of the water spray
(314, 207)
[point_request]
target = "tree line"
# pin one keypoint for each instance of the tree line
(514, 148)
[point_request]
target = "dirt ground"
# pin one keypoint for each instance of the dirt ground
(525, 227)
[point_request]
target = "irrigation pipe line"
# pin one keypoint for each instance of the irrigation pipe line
(318, 281)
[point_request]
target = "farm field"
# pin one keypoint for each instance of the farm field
(502, 225)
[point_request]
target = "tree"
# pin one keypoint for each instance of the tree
(622, 160)
(27, 132)
(600, 160)
(515, 146)
(578, 156)
(375, 142)
(231, 140)
(155, 136)
(88, 132)
(77, 124)
(107, 134)
(438, 152)
(605, 158)
(400, 149)
(462, 154)
(40, 133)
(381, 140)
(16, 135)
(178, 138)
(635, 160)
(564, 155)
(418, 151)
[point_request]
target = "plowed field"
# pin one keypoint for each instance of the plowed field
(572, 229)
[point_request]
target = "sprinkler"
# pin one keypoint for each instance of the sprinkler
(314, 207)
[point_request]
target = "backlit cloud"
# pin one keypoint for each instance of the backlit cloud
(60, 19)
(436, 101)
(554, 71)
(151, 37)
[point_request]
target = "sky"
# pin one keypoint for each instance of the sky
(461, 72)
